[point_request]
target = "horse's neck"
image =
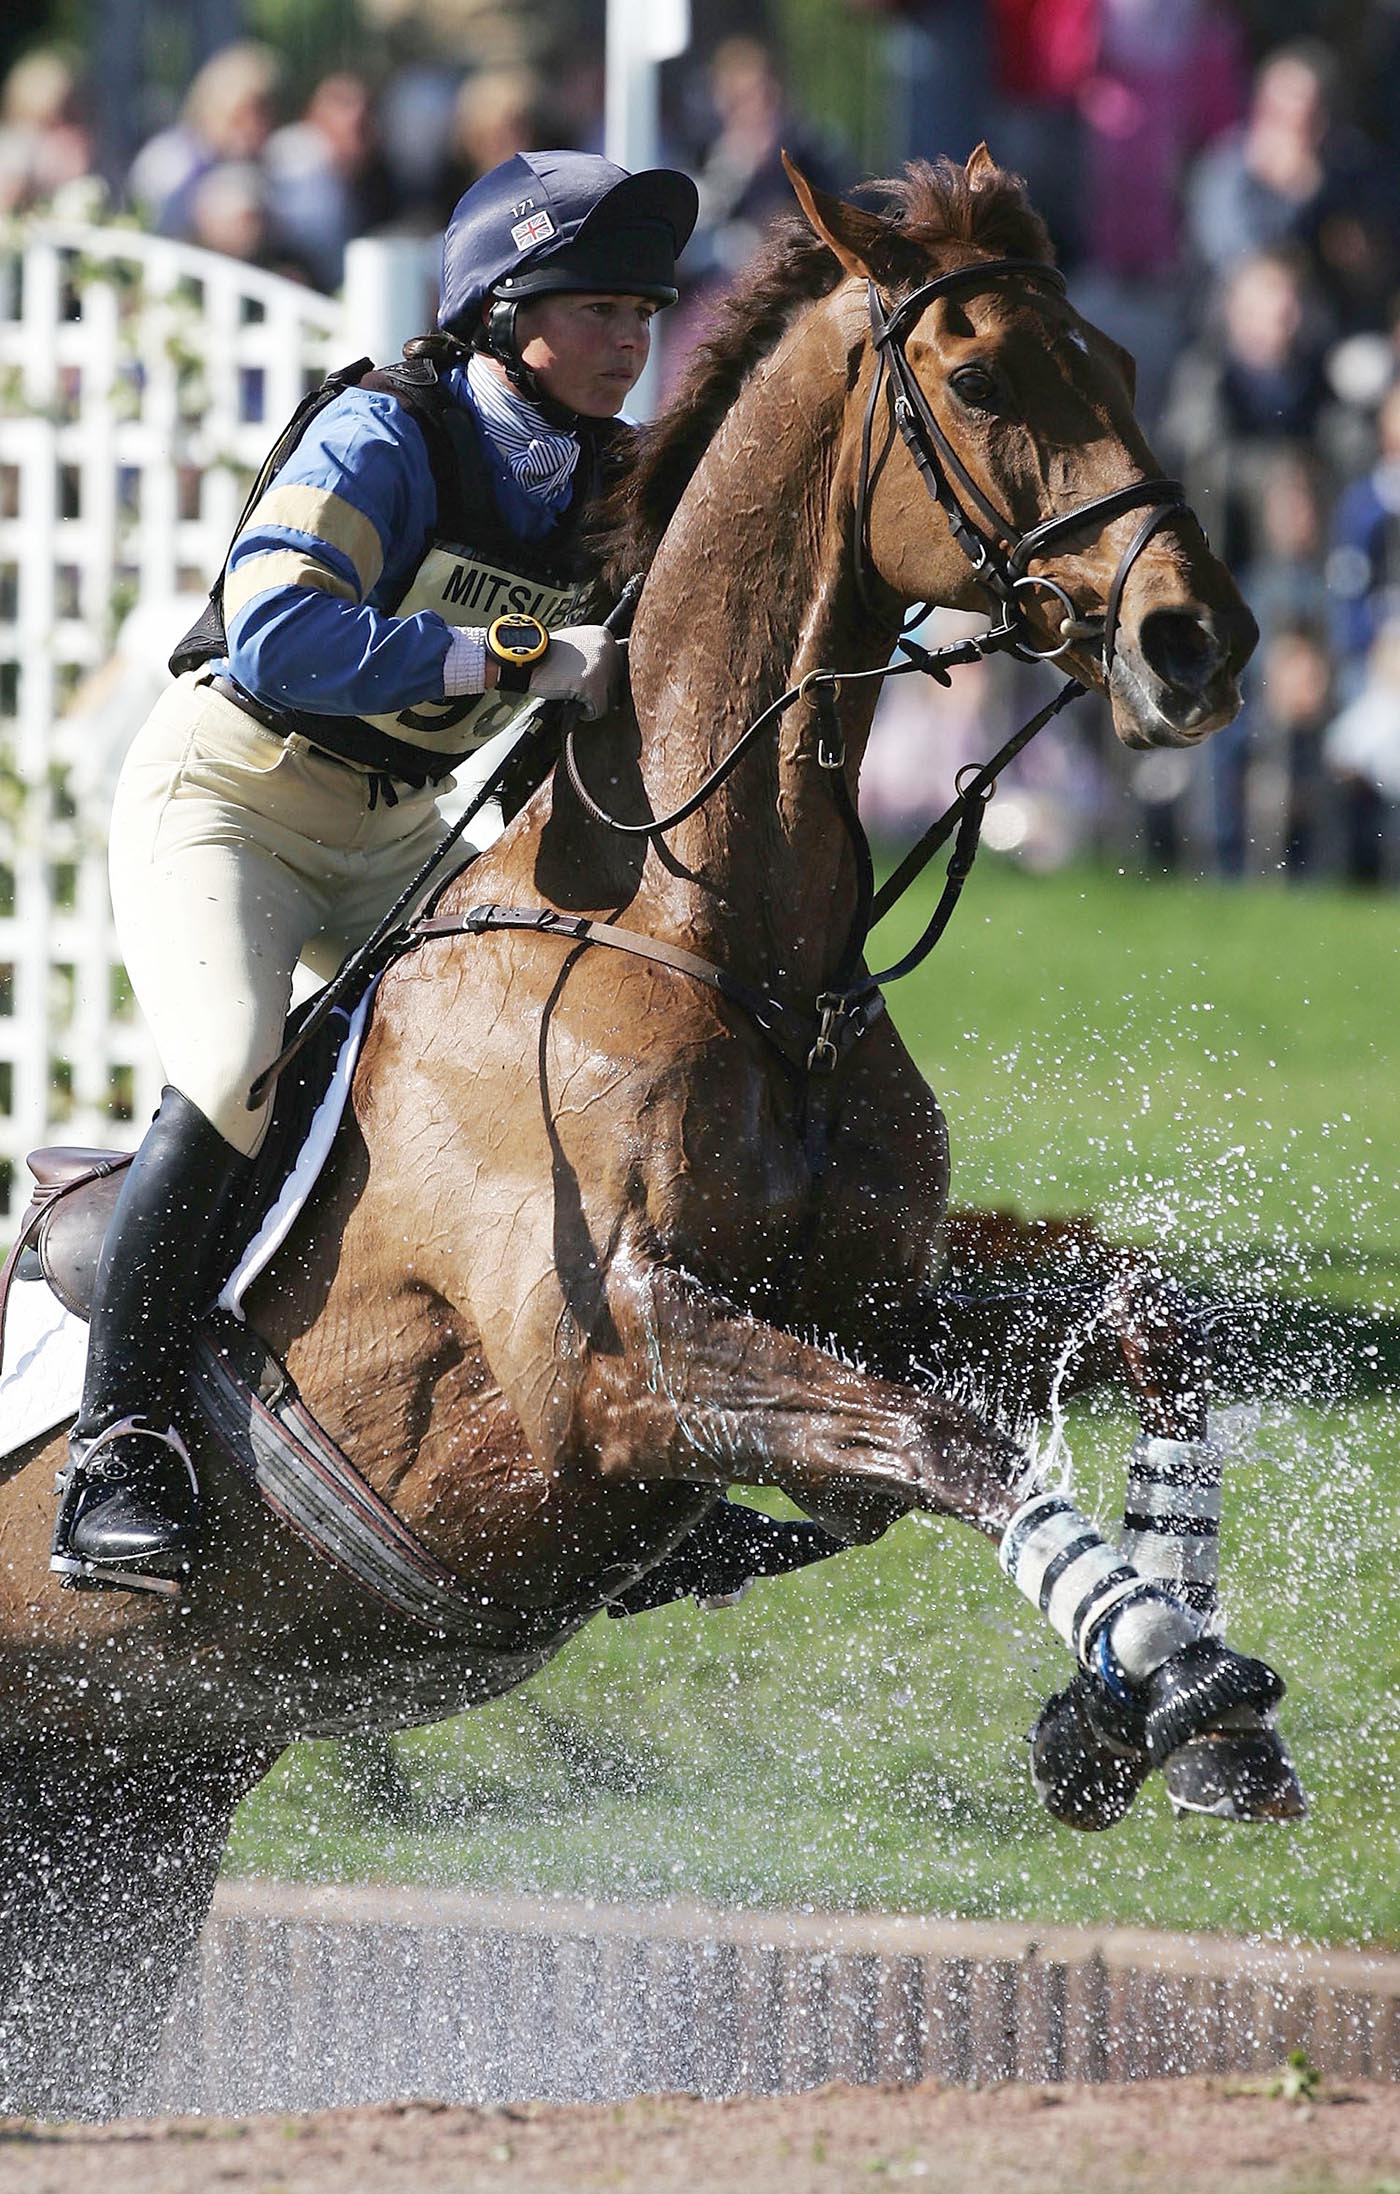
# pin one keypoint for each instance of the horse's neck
(751, 589)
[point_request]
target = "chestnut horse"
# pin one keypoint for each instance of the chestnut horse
(548, 1294)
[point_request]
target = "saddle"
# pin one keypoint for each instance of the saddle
(251, 1405)
(75, 1189)
(60, 1236)
(243, 1390)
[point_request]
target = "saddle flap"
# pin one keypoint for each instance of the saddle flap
(70, 1233)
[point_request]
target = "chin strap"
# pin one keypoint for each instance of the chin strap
(527, 381)
(503, 345)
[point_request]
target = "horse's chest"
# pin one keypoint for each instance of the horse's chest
(785, 1207)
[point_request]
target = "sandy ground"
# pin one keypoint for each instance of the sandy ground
(1161, 2137)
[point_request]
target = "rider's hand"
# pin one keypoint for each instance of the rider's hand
(585, 664)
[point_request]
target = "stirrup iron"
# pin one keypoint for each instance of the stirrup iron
(90, 1467)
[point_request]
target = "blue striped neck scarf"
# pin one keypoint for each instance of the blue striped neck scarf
(539, 457)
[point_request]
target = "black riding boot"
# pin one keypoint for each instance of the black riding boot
(129, 1507)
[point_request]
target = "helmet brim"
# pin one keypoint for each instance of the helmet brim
(625, 245)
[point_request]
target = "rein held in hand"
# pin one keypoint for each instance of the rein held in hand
(999, 555)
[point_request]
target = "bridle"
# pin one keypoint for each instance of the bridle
(999, 553)
(1000, 556)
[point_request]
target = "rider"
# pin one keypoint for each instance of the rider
(406, 575)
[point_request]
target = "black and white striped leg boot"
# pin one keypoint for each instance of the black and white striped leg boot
(1151, 1682)
(1239, 1771)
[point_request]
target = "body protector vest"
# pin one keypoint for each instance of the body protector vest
(473, 569)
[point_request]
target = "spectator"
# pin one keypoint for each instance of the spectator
(577, 101)
(415, 119)
(230, 211)
(228, 114)
(1292, 174)
(1285, 583)
(1044, 53)
(742, 181)
(1167, 81)
(1243, 391)
(498, 112)
(1364, 567)
(1266, 774)
(1362, 749)
(479, 34)
(936, 66)
(328, 176)
(44, 141)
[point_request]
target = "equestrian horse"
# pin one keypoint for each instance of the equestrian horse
(604, 1235)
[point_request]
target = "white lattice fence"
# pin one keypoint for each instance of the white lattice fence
(140, 383)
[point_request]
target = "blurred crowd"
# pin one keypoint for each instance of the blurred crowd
(1222, 181)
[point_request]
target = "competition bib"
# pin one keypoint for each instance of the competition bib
(462, 590)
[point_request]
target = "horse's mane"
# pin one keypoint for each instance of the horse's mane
(931, 204)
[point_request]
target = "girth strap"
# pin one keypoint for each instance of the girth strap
(251, 1403)
(783, 1027)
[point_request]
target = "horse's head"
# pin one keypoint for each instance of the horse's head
(1007, 470)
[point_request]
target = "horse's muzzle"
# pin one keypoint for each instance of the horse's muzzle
(1177, 679)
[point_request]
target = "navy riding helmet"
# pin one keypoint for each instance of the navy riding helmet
(542, 222)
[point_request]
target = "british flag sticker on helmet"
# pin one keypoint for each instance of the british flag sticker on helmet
(536, 229)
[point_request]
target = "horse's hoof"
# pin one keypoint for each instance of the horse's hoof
(1236, 1774)
(1199, 1692)
(1085, 1764)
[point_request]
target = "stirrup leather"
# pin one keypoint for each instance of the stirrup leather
(91, 1467)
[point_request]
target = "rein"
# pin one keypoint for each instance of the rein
(1000, 555)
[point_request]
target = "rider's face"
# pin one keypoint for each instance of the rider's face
(586, 350)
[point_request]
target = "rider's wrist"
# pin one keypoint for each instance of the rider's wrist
(465, 666)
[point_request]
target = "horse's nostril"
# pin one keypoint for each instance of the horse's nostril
(1182, 647)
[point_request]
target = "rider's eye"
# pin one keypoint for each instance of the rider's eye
(973, 384)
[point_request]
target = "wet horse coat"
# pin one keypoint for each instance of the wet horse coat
(549, 1293)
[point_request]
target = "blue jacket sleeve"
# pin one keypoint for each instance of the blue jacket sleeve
(341, 529)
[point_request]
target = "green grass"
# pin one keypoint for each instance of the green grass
(1215, 1072)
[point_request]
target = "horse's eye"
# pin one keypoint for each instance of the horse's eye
(973, 384)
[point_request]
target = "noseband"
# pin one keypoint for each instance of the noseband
(997, 551)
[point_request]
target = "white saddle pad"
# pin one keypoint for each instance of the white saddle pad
(41, 1378)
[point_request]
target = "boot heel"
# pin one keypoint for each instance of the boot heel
(76, 1575)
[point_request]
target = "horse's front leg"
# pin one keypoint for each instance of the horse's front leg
(685, 1385)
(1024, 1351)
(689, 1386)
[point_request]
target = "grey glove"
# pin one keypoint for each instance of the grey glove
(584, 664)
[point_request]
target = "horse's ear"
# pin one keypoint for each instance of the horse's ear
(980, 163)
(853, 234)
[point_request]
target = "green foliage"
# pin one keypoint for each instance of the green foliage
(840, 77)
(1299, 2081)
(1198, 1067)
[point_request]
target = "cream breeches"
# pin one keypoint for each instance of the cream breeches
(234, 854)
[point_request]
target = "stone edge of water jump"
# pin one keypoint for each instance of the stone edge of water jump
(891, 1935)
